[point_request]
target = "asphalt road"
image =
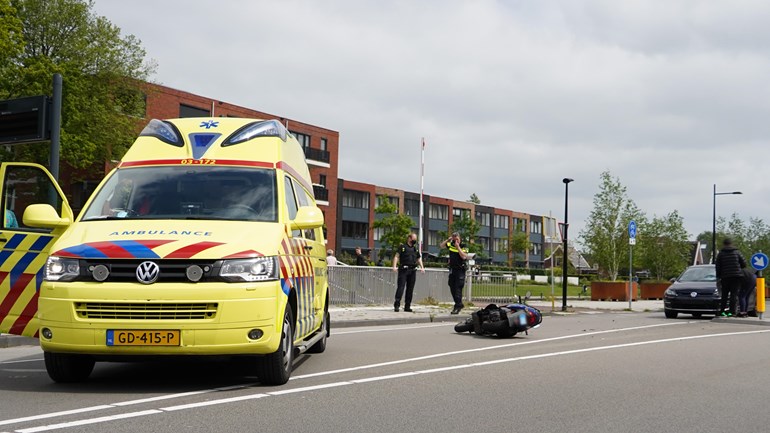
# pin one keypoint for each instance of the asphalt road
(600, 372)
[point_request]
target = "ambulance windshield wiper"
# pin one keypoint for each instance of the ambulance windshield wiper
(107, 218)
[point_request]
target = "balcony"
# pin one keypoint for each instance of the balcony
(321, 193)
(319, 155)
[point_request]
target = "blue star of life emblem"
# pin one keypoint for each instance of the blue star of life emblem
(209, 124)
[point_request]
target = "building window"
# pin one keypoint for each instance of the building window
(501, 244)
(438, 212)
(501, 222)
(412, 207)
(459, 212)
(391, 200)
(355, 230)
(304, 139)
(520, 225)
(433, 239)
(378, 232)
(356, 199)
(190, 111)
(322, 179)
(535, 227)
(535, 250)
(323, 144)
(483, 218)
(484, 242)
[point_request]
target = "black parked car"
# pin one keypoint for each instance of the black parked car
(696, 292)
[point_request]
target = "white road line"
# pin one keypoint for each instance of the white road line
(55, 414)
(478, 349)
(213, 402)
(88, 421)
(327, 373)
(373, 379)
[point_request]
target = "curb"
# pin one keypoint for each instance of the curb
(741, 321)
(409, 319)
(406, 320)
(7, 340)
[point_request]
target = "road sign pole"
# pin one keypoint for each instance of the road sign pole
(760, 295)
(759, 261)
(630, 272)
(631, 243)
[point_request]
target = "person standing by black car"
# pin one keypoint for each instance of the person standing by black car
(410, 258)
(457, 256)
(729, 266)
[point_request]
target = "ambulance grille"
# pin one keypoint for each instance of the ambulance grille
(171, 271)
(146, 311)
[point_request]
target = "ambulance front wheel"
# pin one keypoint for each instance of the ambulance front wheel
(275, 368)
(67, 368)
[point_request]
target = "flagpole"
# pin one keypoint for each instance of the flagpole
(422, 186)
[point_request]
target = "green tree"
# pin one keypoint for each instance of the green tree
(474, 199)
(11, 40)
(518, 243)
(750, 236)
(605, 235)
(396, 227)
(102, 74)
(468, 228)
(664, 246)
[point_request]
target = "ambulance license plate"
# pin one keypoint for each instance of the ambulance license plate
(142, 337)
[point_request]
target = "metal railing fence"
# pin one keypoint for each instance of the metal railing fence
(369, 285)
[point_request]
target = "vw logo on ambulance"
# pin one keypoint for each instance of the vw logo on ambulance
(147, 272)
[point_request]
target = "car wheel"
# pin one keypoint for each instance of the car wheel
(670, 314)
(66, 368)
(275, 368)
(320, 346)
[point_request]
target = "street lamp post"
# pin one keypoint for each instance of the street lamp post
(714, 221)
(566, 181)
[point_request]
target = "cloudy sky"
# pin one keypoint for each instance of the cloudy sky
(511, 96)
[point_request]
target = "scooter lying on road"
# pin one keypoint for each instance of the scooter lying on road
(504, 321)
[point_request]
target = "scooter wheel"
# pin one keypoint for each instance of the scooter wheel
(464, 326)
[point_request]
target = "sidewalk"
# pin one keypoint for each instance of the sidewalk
(378, 315)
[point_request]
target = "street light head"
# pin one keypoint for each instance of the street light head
(567, 180)
(737, 192)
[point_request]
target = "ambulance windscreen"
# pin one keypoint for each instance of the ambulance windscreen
(184, 192)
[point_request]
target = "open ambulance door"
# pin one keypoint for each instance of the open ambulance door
(25, 249)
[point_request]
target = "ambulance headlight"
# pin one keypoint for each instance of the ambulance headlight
(267, 128)
(162, 130)
(61, 269)
(256, 269)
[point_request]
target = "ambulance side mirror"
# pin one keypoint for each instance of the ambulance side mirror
(308, 217)
(43, 216)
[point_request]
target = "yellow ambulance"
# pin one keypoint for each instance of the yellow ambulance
(205, 240)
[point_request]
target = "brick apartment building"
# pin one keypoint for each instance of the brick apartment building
(355, 212)
(348, 206)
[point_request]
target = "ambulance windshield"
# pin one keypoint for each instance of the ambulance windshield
(187, 192)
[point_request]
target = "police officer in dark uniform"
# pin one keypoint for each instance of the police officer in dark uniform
(457, 256)
(410, 258)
